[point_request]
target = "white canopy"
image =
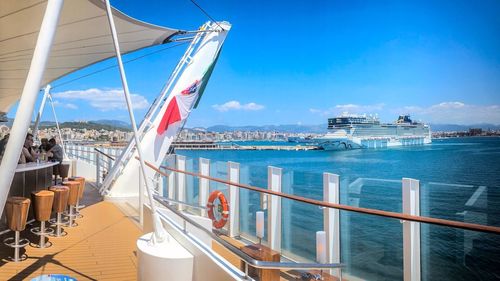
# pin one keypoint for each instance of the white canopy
(83, 37)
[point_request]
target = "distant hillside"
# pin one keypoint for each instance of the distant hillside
(91, 125)
(114, 123)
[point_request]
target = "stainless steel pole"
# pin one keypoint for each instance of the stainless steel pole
(40, 111)
(159, 232)
(65, 156)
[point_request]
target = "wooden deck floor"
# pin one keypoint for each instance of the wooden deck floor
(101, 247)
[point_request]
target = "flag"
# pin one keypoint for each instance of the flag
(181, 104)
(179, 107)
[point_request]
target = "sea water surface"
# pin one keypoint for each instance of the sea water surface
(459, 180)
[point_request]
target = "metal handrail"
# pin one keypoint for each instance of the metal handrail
(242, 255)
(182, 203)
(105, 154)
(81, 150)
(394, 215)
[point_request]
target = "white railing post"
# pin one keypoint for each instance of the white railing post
(141, 199)
(98, 170)
(245, 199)
(411, 230)
(204, 184)
(171, 177)
(274, 209)
(108, 151)
(331, 220)
(181, 181)
(234, 199)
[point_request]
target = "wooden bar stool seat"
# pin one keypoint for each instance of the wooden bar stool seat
(81, 180)
(42, 208)
(16, 209)
(74, 191)
(61, 194)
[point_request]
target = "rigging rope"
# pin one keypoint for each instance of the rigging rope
(210, 17)
(115, 65)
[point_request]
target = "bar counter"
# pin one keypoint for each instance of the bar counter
(29, 177)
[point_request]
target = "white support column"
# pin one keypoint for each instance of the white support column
(274, 209)
(411, 230)
(181, 180)
(331, 220)
(28, 98)
(204, 184)
(234, 199)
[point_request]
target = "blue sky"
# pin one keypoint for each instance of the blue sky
(300, 62)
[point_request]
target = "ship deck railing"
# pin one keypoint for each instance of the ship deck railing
(396, 229)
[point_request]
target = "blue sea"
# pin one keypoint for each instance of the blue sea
(459, 180)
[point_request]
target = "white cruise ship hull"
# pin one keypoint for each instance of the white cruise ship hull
(375, 136)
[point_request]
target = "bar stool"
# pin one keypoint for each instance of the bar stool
(81, 180)
(74, 191)
(61, 194)
(17, 213)
(42, 207)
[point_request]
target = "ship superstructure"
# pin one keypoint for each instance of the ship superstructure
(365, 131)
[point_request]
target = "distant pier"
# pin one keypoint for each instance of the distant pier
(233, 146)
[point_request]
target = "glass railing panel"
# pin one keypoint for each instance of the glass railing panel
(300, 221)
(371, 246)
(456, 254)
(169, 180)
(191, 183)
(218, 170)
(250, 201)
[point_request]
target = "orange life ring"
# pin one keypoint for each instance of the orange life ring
(222, 209)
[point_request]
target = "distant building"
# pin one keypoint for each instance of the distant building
(475, 132)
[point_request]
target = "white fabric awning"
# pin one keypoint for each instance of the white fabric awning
(83, 37)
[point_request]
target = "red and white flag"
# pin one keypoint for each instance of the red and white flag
(179, 107)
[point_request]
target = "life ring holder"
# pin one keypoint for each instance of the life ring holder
(223, 209)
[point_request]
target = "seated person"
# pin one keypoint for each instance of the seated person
(55, 152)
(28, 154)
(44, 146)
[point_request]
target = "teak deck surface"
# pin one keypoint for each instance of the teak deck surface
(101, 247)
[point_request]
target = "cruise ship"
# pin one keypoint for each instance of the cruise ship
(350, 131)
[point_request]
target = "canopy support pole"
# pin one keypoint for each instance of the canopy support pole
(26, 106)
(40, 111)
(160, 233)
(57, 125)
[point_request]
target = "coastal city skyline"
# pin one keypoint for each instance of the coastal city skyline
(435, 61)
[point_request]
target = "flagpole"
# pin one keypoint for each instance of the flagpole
(159, 233)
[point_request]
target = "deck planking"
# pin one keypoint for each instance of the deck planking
(101, 247)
